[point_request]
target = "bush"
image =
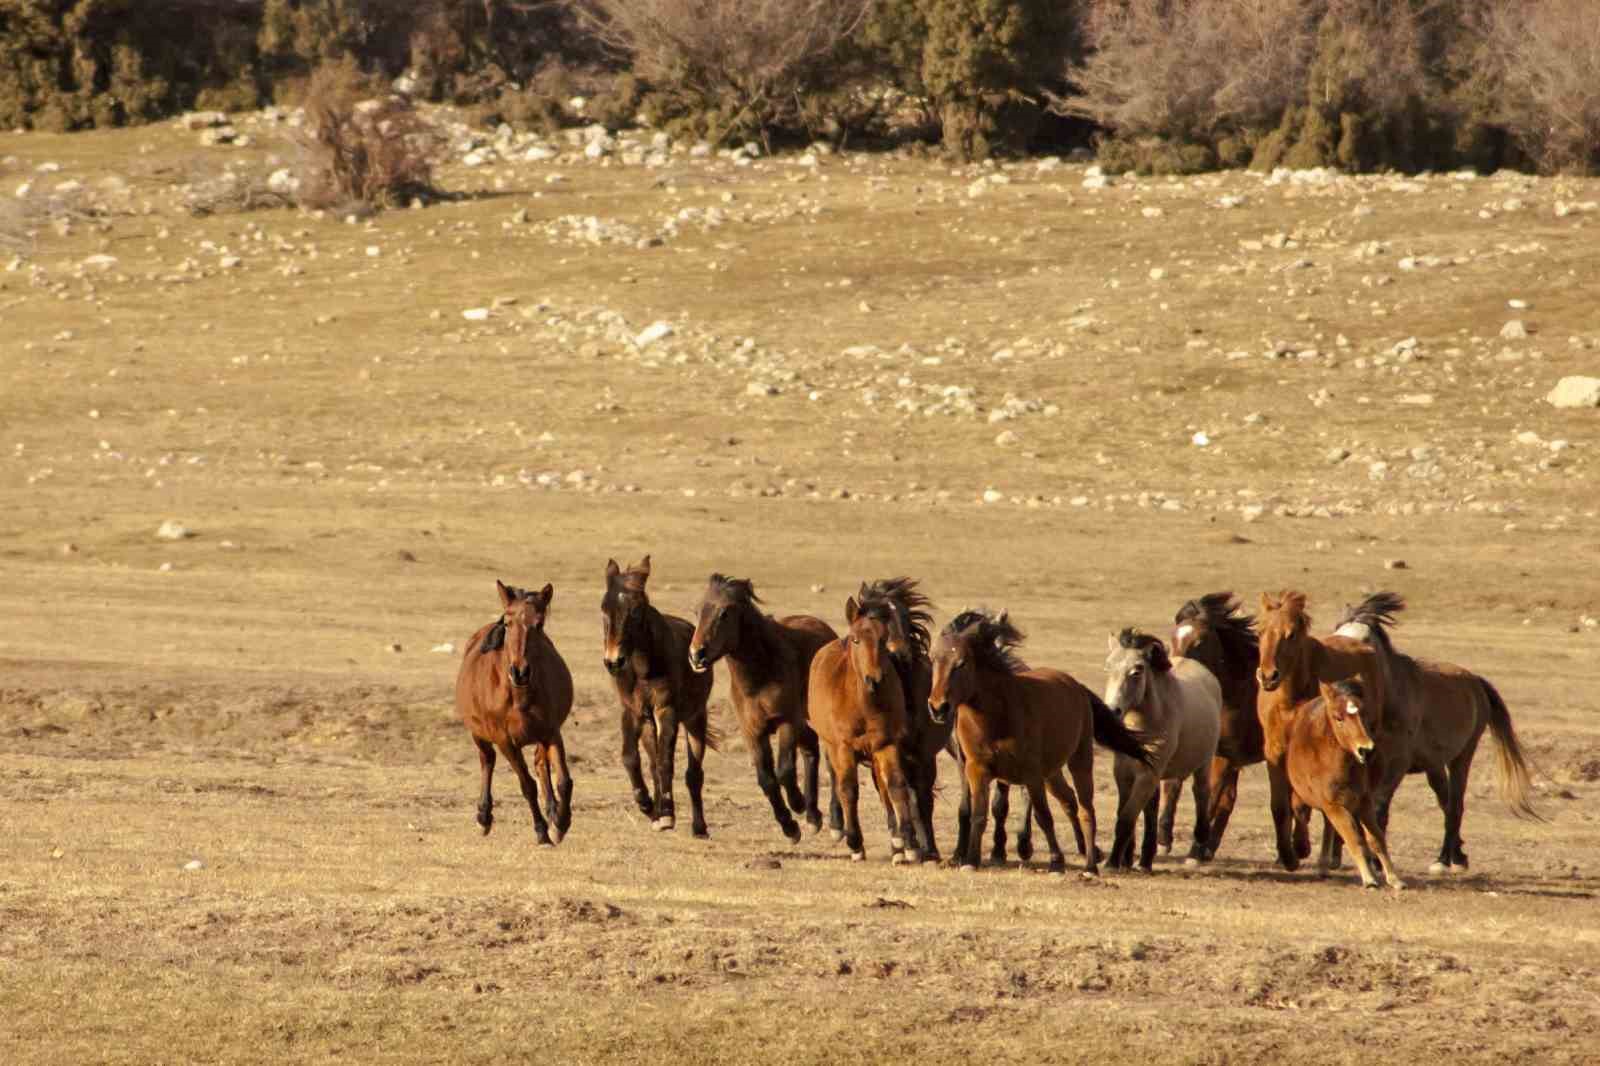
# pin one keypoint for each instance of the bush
(1543, 67)
(730, 69)
(375, 153)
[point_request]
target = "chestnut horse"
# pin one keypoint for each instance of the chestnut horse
(514, 691)
(1292, 664)
(646, 654)
(1021, 726)
(901, 607)
(1453, 706)
(1327, 751)
(1215, 633)
(857, 705)
(1177, 705)
(769, 663)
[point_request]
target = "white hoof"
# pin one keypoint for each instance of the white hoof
(662, 824)
(1191, 862)
(968, 868)
(1398, 885)
(899, 858)
(836, 835)
(1437, 868)
(858, 856)
(897, 843)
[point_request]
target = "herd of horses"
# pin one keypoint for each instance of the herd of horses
(1339, 720)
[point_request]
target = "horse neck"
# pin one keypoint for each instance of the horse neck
(658, 647)
(754, 660)
(992, 692)
(1329, 663)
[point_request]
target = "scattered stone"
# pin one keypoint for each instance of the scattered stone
(656, 331)
(760, 388)
(1006, 439)
(193, 865)
(1575, 391)
(1201, 439)
(394, 649)
(993, 495)
(172, 530)
(1417, 399)
(476, 314)
(1515, 330)
(1395, 564)
(101, 263)
(446, 648)
(1338, 455)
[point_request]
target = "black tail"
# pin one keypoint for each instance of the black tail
(1110, 732)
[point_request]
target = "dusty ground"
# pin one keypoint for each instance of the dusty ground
(852, 345)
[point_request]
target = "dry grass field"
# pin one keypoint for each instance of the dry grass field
(989, 378)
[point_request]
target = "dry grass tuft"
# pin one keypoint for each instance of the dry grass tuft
(373, 152)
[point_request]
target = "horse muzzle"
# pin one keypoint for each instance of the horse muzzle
(1268, 682)
(939, 712)
(697, 660)
(519, 676)
(613, 666)
(1362, 752)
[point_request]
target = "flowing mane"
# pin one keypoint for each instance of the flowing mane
(1222, 613)
(1150, 647)
(996, 639)
(1376, 612)
(737, 590)
(900, 595)
(1291, 606)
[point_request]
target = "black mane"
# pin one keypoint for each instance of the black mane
(1221, 612)
(1154, 652)
(900, 594)
(996, 639)
(1377, 612)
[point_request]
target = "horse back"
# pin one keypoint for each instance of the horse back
(806, 634)
(1055, 711)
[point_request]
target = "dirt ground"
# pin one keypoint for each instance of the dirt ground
(236, 812)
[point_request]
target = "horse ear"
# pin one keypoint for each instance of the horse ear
(851, 610)
(546, 594)
(506, 594)
(1267, 606)
(612, 569)
(644, 566)
(1111, 643)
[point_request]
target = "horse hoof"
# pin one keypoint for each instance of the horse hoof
(701, 832)
(897, 843)
(1089, 875)
(792, 831)
(1192, 861)
(1369, 884)
(858, 856)
(1058, 866)
(898, 858)
(1437, 868)
(1166, 849)
(836, 835)
(662, 824)
(484, 827)
(968, 868)
(546, 842)
(1398, 885)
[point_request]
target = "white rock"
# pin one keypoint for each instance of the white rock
(993, 495)
(1006, 439)
(760, 388)
(171, 530)
(100, 262)
(444, 649)
(1575, 391)
(282, 181)
(1201, 439)
(1515, 330)
(476, 314)
(654, 332)
(194, 864)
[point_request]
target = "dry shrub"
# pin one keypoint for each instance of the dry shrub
(735, 68)
(375, 152)
(1545, 59)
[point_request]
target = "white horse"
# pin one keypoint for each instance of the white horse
(1177, 705)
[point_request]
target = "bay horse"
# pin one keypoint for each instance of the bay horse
(769, 664)
(1215, 632)
(1021, 725)
(1452, 706)
(1291, 666)
(1176, 704)
(1327, 752)
(514, 691)
(646, 653)
(857, 706)
(904, 610)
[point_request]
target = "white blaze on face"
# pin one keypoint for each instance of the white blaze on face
(1184, 631)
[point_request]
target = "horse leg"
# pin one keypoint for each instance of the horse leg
(1200, 850)
(485, 798)
(767, 778)
(1460, 770)
(1302, 829)
(630, 762)
(926, 778)
(1439, 781)
(1024, 841)
(1127, 810)
(1378, 842)
(694, 774)
(1223, 785)
(1170, 791)
(788, 740)
(1340, 819)
(843, 761)
(881, 787)
(891, 770)
(666, 755)
(1001, 811)
(530, 792)
(1283, 816)
(963, 813)
(1083, 784)
(1047, 825)
(547, 792)
(1057, 786)
(1152, 814)
(563, 785)
(978, 788)
(810, 764)
(835, 811)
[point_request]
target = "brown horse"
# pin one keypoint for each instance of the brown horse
(857, 706)
(1291, 666)
(904, 610)
(769, 663)
(1214, 632)
(1327, 750)
(1453, 706)
(646, 654)
(514, 691)
(1022, 726)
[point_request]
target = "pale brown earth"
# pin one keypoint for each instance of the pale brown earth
(358, 463)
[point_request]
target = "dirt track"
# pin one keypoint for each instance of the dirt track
(357, 470)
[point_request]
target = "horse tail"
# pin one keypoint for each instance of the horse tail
(1516, 784)
(1110, 732)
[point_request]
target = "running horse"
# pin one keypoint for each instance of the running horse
(769, 664)
(646, 654)
(513, 691)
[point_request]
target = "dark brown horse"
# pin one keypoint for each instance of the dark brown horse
(1022, 726)
(1214, 632)
(1452, 707)
(857, 706)
(647, 655)
(514, 691)
(769, 663)
(1292, 665)
(1327, 755)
